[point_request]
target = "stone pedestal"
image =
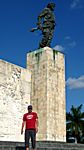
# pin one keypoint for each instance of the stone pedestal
(47, 95)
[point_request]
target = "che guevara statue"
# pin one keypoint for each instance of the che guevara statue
(46, 23)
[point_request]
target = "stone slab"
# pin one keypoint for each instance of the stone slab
(41, 145)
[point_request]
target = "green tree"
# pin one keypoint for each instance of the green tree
(75, 123)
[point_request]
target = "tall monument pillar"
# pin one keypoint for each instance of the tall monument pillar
(48, 92)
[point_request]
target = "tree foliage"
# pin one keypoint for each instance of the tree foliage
(75, 124)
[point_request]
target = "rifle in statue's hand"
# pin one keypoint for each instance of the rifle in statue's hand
(37, 28)
(34, 29)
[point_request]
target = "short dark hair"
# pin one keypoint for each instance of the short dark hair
(29, 107)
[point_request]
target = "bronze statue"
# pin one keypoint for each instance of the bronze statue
(46, 23)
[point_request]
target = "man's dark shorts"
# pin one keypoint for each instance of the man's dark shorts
(30, 133)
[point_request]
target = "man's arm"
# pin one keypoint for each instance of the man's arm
(36, 125)
(23, 124)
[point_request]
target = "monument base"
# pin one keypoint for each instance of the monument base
(41, 145)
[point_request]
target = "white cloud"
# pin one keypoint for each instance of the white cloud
(72, 44)
(59, 48)
(67, 38)
(75, 4)
(75, 83)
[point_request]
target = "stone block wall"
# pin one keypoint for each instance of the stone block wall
(15, 86)
(48, 92)
(42, 84)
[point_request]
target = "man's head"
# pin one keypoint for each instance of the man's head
(29, 108)
(51, 6)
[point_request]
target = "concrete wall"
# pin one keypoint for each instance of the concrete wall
(15, 84)
(42, 84)
(48, 92)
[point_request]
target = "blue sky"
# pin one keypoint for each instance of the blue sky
(17, 17)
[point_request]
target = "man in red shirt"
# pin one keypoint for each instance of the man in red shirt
(30, 121)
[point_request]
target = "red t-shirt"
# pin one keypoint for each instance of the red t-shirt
(30, 119)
